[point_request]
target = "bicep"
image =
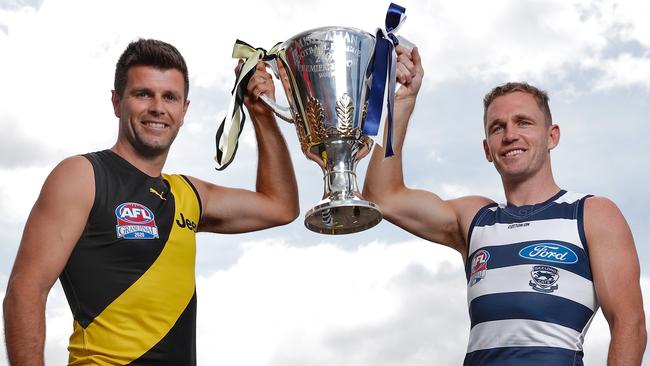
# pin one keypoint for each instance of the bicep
(613, 258)
(234, 210)
(428, 216)
(55, 224)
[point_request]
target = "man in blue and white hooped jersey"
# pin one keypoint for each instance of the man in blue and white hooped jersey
(539, 266)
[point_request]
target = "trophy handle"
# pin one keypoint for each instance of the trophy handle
(282, 112)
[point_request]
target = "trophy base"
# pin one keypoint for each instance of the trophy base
(342, 217)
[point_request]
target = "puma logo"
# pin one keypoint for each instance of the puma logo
(151, 190)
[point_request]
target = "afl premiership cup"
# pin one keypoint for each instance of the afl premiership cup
(324, 73)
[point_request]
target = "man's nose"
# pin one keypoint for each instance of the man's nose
(510, 134)
(156, 107)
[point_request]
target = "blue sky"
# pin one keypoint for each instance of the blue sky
(287, 295)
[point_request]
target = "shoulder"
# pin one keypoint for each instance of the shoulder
(74, 171)
(600, 209)
(201, 188)
(467, 207)
(602, 217)
(600, 204)
(72, 178)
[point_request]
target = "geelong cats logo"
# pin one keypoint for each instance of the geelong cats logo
(544, 279)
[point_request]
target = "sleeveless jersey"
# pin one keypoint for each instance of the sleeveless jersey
(530, 290)
(129, 280)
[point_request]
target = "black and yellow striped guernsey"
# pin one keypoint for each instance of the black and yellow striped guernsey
(130, 278)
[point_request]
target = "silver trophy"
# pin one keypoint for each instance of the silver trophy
(324, 75)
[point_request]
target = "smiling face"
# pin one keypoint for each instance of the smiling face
(151, 109)
(518, 138)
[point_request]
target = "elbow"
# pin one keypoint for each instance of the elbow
(642, 332)
(285, 213)
(291, 214)
(382, 198)
(630, 328)
(9, 300)
(373, 195)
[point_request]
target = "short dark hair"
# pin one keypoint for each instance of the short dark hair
(540, 97)
(149, 52)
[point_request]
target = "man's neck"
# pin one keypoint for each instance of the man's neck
(530, 191)
(151, 166)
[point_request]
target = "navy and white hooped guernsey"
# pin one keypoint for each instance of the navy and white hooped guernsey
(530, 290)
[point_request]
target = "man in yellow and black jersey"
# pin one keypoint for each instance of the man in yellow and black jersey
(120, 234)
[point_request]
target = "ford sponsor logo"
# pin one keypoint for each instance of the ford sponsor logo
(549, 252)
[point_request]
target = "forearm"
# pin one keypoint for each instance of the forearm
(24, 322)
(385, 174)
(275, 175)
(628, 344)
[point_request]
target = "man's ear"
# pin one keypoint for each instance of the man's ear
(553, 136)
(115, 99)
(486, 148)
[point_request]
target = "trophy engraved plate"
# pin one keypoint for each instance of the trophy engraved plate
(324, 75)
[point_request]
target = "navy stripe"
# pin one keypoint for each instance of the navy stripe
(479, 214)
(581, 222)
(508, 255)
(544, 211)
(517, 356)
(517, 305)
(503, 216)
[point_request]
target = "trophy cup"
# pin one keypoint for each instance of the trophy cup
(324, 73)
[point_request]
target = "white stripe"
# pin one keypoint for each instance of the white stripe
(570, 197)
(498, 234)
(517, 278)
(522, 333)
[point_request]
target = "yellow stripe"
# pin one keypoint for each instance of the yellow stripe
(139, 318)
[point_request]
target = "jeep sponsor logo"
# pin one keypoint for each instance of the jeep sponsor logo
(186, 223)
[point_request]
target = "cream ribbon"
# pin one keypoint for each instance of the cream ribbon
(230, 128)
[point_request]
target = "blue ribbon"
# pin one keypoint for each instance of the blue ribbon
(383, 77)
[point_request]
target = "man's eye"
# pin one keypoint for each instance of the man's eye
(170, 97)
(142, 94)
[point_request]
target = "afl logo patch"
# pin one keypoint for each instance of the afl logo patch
(544, 279)
(549, 252)
(479, 267)
(135, 221)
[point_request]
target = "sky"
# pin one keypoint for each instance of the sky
(287, 296)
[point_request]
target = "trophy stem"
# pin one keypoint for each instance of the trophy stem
(342, 210)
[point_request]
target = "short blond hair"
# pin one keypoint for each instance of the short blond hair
(541, 97)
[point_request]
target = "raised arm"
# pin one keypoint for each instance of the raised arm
(615, 268)
(52, 229)
(275, 199)
(417, 211)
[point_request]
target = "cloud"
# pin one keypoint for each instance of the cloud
(19, 4)
(330, 306)
(625, 70)
(16, 139)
